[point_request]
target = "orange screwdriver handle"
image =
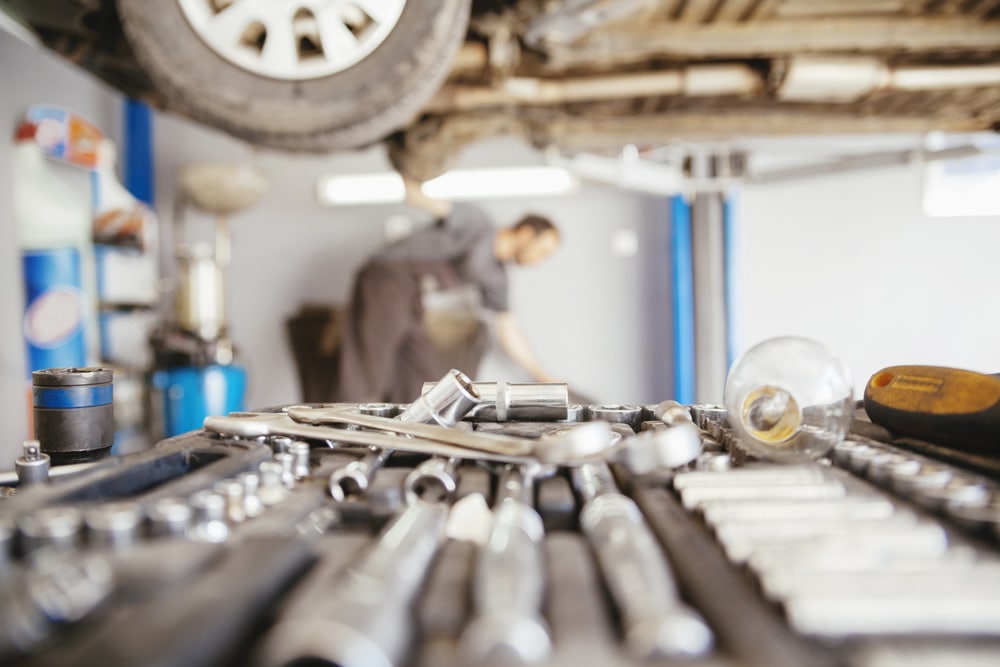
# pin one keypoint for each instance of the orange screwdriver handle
(947, 406)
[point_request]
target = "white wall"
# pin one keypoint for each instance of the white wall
(852, 261)
(585, 311)
(31, 76)
(596, 319)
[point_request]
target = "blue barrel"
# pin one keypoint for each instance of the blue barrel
(55, 309)
(189, 394)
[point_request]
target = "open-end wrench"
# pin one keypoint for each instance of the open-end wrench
(353, 478)
(655, 621)
(588, 441)
(510, 581)
(266, 424)
(585, 442)
(445, 405)
(494, 443)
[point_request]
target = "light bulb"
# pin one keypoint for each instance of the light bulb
(789, 399)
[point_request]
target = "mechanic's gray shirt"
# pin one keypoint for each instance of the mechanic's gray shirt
(464, 240)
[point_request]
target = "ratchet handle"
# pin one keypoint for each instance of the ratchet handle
(946, 406)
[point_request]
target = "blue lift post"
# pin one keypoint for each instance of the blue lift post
(683, 299)
(138, 153)
(733, 269)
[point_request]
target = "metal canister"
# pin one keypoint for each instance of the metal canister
(74, 420)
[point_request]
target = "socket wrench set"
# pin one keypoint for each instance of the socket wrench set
(493, 524)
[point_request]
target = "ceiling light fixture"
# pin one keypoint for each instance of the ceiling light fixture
(457, 185)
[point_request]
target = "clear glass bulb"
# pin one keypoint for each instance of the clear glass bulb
(789, 399)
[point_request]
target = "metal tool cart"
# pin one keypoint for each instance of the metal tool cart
(496, 523)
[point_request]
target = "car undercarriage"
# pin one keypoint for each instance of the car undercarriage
(584, 74)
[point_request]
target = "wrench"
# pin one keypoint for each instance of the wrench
(445, 405)
(266, 424)
(656, 622)
(509, 581)
(493, 443)
(364, 619)
(575, 443)
(585, 442)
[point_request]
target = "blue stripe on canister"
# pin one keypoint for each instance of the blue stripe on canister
(72, 397)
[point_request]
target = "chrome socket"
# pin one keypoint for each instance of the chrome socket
(387, 410)
(209, 520)
(615, 414)
(271, 490)
(169, 517)
(232, 491)
(445, 404)
(287, 462)
(432, 481)
(56, 527)
(509, 401)
(32, 466)
(252, 505)
(300, 465)
(113, 525)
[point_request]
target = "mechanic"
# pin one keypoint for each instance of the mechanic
(385, 354)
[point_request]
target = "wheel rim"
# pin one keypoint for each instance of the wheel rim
(292, 39)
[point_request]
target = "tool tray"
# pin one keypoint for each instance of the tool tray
(880, 554)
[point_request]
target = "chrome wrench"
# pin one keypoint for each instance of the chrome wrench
(267, 424)
(575, 444)
(445, 405)
(509, 581)
(656, 622)
(364, 620)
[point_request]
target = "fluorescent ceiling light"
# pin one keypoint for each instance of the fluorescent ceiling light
(500, 182)
(462, 184)
(384, 188)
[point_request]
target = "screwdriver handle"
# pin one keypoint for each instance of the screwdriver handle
(946, 406)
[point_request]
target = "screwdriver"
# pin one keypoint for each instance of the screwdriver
(947, 406)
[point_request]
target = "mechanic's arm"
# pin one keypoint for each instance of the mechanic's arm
(513, 342)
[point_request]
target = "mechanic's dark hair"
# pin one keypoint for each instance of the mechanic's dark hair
(537, 223)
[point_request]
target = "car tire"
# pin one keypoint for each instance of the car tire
(350, 108)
